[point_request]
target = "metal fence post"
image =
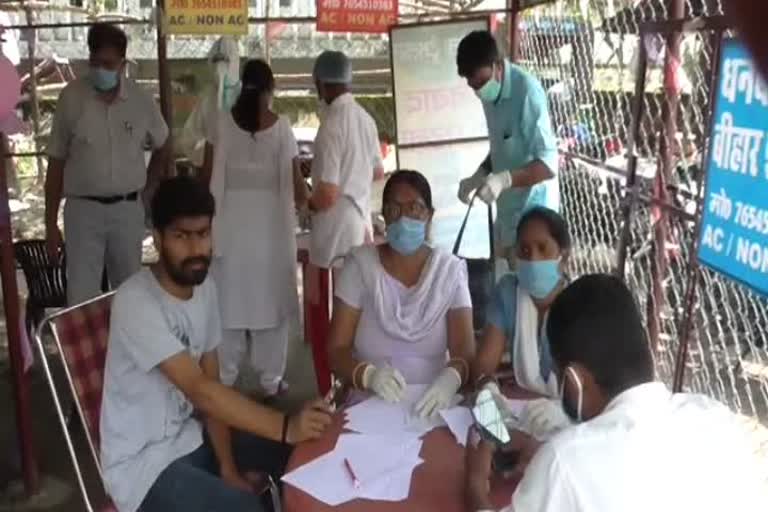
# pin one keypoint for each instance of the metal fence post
(692, 278)
(164, 84)
(19, 379)
(628, 208)
(514, 29)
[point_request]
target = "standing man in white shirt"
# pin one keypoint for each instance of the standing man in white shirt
(102, 125)
(347, 160)
(162, 368)
(347, 155)
(635, 446)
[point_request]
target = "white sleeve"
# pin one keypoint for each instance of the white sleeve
(288, 141)
(326, 165)
(158, 129)
(461, 297)
(546, 486)
(150, 341)
(61, 130)
(349, 287)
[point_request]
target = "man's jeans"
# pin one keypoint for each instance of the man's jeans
(192, 484)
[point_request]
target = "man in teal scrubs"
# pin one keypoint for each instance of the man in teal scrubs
(521, 168)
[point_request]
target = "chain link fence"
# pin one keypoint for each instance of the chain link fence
(587, 54)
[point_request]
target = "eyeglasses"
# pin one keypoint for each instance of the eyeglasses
(414, 209)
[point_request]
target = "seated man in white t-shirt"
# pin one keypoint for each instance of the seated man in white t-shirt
(162, 367)
(635, 446)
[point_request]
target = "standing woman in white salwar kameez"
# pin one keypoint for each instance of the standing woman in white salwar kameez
(250, 163)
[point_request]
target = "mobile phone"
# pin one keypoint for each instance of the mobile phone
(335, 396)
(488, 419)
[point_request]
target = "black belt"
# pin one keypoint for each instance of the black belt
(111, 199)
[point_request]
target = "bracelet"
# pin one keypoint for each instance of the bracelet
(464, 372)
(359, 365)
(483, 379)
(286, 420)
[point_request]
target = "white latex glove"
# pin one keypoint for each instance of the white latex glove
(544, 417)
(440, 394)
(468, 185)
(386, 382)
(494, 185)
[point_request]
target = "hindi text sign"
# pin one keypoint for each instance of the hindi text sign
(371, 16)
(214, 17)
(734, 225)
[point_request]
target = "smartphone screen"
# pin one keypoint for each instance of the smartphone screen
(488, 418)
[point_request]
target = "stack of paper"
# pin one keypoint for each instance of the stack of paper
(378, 417)
(383, 466)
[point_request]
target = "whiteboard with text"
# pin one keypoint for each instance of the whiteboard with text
(432, 102)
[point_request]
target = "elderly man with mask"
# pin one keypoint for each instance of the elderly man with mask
(521, 168)
(347, 159)
(224, 59)
(102, 126)
(635, 446)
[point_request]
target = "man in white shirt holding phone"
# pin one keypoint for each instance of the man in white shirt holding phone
(634, 445)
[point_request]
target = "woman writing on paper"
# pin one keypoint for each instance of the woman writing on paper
(517, 316)
(253, 172)
(403, 313)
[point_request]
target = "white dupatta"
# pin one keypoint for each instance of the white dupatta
(526, 359)
(411, 316)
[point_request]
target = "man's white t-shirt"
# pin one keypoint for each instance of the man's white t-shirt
(650, 451)
(346, 152)
(146, 421)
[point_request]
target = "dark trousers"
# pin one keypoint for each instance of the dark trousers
(192, 483)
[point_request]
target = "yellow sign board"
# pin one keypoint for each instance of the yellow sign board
(214, 17)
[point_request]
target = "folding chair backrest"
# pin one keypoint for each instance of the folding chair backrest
(81, 335)
(46, 279)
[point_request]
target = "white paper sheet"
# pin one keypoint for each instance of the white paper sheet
(384, 472)
(376, 416)
(373, 457)
(459, 419)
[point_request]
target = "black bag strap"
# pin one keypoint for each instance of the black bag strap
(463, 227)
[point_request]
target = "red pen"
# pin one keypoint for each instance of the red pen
(355, 481)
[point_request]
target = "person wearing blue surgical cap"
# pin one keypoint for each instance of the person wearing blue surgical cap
(521, 168)
(346, 160)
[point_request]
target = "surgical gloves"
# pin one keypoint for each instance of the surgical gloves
(468, 185)
(440, 394)
(544, 417)
(494, 185)
(387, 382)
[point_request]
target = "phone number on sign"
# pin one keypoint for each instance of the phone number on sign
(751, 217)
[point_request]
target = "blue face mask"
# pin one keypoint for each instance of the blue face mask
(104, 80)
(407, 235)
(539, 277)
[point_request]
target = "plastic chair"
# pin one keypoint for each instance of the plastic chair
(81, 334)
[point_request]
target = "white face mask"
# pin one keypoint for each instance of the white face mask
(577, 414)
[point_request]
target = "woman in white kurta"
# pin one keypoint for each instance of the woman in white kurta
(251, 158)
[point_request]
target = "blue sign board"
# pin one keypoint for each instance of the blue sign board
(734, 226)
